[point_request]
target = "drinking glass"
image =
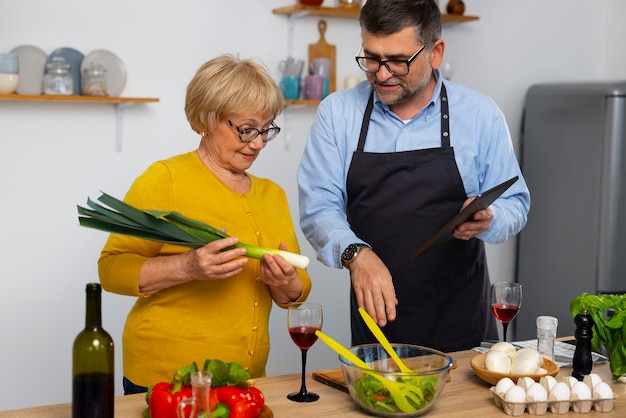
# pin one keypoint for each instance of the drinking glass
(303, 319)
(506, 300)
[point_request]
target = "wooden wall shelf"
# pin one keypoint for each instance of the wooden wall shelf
(350, 13)
(119, 102)
(79, 99)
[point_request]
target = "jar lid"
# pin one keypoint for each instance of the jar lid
(95, 69)
(58, 65)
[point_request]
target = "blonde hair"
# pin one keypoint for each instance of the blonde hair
(227, 84)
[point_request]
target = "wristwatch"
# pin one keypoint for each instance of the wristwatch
(351, 252)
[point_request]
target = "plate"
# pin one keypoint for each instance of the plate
(477, 363)
(116, 70)
(32, 68)
(74, 58)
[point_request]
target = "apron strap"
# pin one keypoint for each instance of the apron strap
(445, 119)
(366, 122)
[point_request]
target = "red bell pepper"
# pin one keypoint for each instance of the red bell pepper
(165, 397)
(240, 402)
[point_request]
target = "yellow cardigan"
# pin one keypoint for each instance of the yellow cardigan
(222, 319)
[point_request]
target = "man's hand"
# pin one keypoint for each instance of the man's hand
(479, 223)
(373, 286)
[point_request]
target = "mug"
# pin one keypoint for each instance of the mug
(291, 67)
(9, 72)
(326, 88)
(320, 66)
(313, 87)
(290, 85)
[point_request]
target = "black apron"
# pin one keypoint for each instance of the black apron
(396, 202)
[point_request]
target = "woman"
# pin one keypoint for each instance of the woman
(210, 302)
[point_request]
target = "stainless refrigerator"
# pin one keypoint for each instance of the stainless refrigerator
(573, 156)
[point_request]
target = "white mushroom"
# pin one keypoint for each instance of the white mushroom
(497, 361)
(505, 347)
(525, 363)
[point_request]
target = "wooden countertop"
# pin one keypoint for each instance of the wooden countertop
(464, 396)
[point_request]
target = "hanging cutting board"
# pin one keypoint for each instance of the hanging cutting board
(322, 49)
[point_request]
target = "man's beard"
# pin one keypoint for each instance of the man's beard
(407, 90)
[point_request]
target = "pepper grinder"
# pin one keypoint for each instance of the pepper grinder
(582, 361)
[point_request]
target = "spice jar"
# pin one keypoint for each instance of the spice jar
(58, 79)
(94, 80)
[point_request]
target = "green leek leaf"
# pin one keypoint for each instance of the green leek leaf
(165, 226)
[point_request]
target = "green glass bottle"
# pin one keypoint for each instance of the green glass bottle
(93, 363)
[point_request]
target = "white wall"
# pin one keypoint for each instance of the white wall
(55, 155)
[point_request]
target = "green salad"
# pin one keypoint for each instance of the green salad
(375, 395)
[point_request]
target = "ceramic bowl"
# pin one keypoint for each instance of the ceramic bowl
(430, 371)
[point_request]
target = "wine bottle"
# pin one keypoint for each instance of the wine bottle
(93, 363)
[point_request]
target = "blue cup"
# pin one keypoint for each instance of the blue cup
(326, 87)
(290, 85)
(9, 63)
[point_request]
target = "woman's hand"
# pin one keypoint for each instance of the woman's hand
(210, 262)
(214, 262)
(281, 277)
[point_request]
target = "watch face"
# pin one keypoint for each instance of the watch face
(350, 252)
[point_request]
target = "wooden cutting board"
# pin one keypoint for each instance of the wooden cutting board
(323, 49)
(333, 378)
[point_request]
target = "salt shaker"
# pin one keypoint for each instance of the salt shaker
(546, 333)
(58, 79)
(582, 362)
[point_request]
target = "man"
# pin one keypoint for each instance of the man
(389, 162)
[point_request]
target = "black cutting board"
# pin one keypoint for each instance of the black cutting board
(482, 201)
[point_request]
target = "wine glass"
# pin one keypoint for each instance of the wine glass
(303, 319)
(506, 299)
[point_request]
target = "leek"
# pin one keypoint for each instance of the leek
(166, 227)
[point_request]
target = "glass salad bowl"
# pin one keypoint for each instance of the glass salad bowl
(386, 391)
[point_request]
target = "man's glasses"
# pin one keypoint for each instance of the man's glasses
(395, 67)
(249, 134)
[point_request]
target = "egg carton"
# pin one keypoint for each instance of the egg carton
(556, 407)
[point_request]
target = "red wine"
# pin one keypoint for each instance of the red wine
(304, 337)
(505, 312)
(92, 395)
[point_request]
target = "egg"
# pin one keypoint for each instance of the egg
(525, 382)
(505, 347)
(560, 392)
(497, 361)
(515, 394)
(580, 390)
(592, 379)
(548, 382)
(602, 390)
(503, 385)
(570, 381)
(536, 393)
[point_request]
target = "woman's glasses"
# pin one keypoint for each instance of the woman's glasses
(249, 134)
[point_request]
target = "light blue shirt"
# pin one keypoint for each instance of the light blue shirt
(478, 133)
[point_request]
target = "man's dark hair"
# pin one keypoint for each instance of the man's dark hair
(384, 17)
